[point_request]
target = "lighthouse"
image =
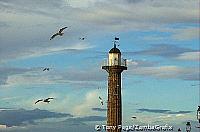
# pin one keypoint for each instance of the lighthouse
(114, 66)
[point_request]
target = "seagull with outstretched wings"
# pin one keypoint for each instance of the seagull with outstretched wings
(46, 69)
(60, 33)
(47, 100)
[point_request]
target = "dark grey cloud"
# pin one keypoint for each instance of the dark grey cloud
(25, 7)
(82, 120)
(99, 109)
(164, 50)
(52, 127)
(84, 75)
(179, 112)
(87, 118)
(8, 71)
(153, 110)
(5, 72)
(20, 116)
(72, 76)
(4, 24)
(192, 76)
(5, 108)
(134, 1)
(162, 111)
(3, 79)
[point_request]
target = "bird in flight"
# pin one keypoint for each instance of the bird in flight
(60, 32)
(101, 100)
(82, 38)
(47, 100)
(46, 69)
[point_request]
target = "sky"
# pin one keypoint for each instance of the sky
(159, 39)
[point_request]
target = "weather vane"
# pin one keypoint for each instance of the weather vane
(116, 41)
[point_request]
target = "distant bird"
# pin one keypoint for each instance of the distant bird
(47, 100)
(82, 38)
(60, 32)
(46, 69)
(134, 117)
(101, 100)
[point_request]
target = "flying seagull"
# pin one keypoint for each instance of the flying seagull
(60, 32)
(101, 100)
(46, 69)
(82, 38)
(47, 100)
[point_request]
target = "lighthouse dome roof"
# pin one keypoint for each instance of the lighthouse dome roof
(115, 50)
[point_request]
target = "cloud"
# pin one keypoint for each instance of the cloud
(189, 56)
(9, 71)
(164, 50)
(153, 110)
(20, 116)
(165, 72)
(99, 109)
(186, 34)
(12, 76)
(3, 109)
(90, 100)
(32, 22)
(161, 111)
(82, 120)
(179, 112)
(140, 63)
(84, 75)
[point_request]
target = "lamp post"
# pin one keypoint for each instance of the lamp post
(198, 114)
(188, 127)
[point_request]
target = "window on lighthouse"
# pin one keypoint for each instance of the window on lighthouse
(115, 61)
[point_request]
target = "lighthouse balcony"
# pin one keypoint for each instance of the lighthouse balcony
(122, 62)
